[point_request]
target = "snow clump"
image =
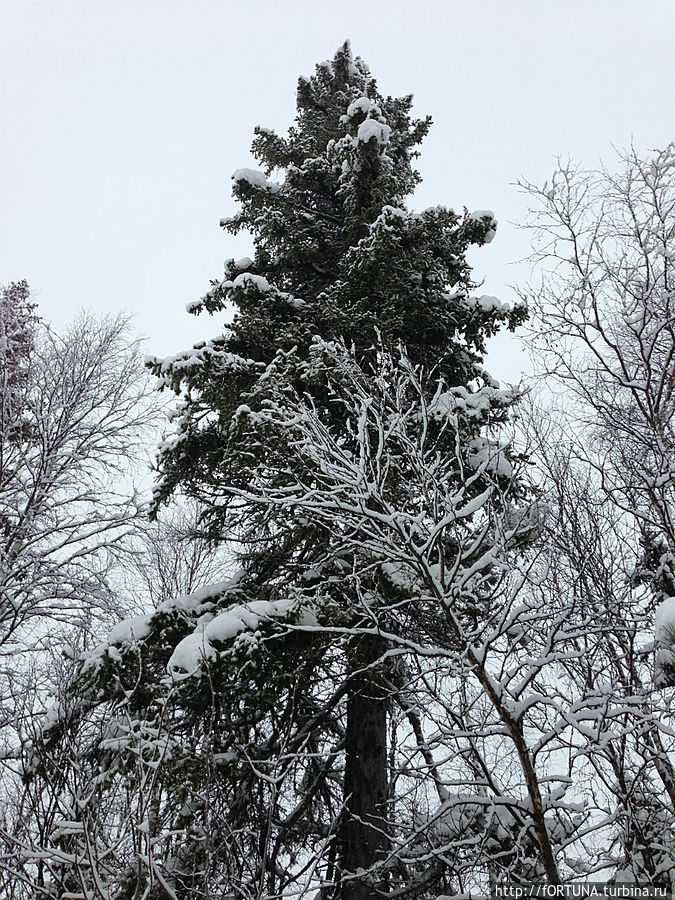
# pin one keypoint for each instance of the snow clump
(478, 215)
(256, 179)
(188, 655)
(363, 104)
(370, 128)
(248, 278)
(136, 628)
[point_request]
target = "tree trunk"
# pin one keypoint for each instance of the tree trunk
(364, 832)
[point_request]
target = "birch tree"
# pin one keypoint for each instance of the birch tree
(603, 318)
(74, 414)
(73, 418)
(604, 314)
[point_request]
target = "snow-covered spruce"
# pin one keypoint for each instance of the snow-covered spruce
(308, 724)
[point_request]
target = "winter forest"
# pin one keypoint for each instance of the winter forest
(375, 626)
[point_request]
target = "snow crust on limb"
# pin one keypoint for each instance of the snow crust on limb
(473, 403)
(138, 628)
(246, 278)
(479, 215)
(370, 129)
(210, 628)
(239, 265)
(490, 457)
(53, 717)
(223, 627)
(372, 126)
(364, 105)
(169, 371)
(189, 654)
(257, 179)
(203, 595)
(135, 628)
(488, 302)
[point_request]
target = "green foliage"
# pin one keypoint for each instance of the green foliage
(337, 255)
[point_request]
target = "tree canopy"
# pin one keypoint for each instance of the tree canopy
(426, 672)
(364, 550)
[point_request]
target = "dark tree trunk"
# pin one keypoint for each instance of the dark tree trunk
(364, 833)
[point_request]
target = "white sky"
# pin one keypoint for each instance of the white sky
(123, 120)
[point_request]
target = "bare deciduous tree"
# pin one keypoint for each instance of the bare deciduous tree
(75, 416)
(604, 317)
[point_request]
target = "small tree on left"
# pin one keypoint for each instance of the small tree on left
(74, 412)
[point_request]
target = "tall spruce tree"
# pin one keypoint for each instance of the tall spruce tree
(276, 688)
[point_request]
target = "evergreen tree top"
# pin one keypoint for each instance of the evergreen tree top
(338, 255)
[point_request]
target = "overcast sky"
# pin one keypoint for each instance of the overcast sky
(123, 120)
